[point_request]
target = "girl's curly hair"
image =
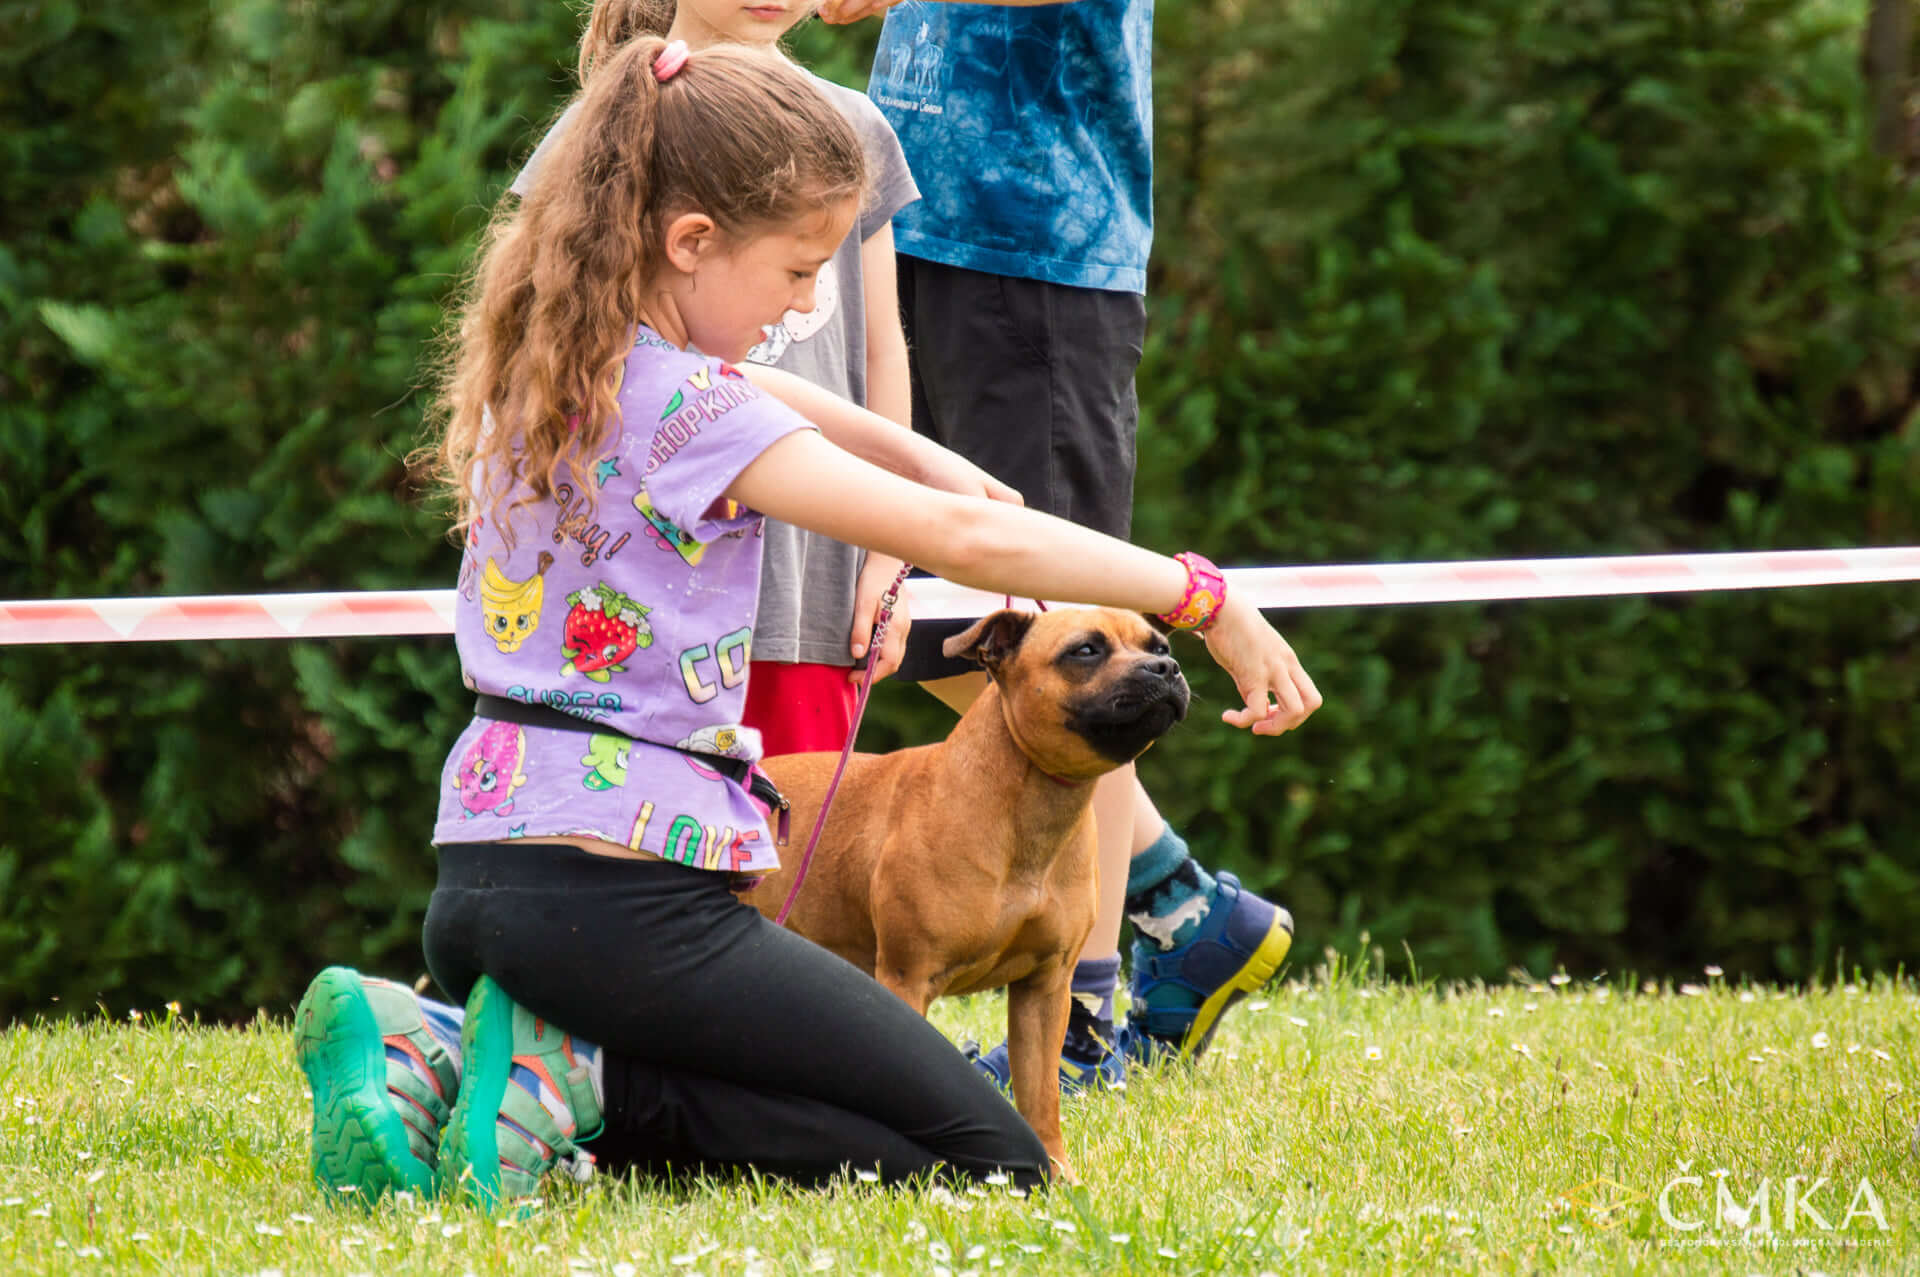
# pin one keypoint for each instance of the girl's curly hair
(526, 395)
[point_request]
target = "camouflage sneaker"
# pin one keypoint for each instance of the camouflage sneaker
(1178, 995)
(382, 1085)
(526, 1105)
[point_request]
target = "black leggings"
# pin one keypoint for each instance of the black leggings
(729, 1043)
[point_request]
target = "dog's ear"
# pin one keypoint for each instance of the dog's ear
(990, 640)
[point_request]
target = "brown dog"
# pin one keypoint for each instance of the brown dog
(970, 864)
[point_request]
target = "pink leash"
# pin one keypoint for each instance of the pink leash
(888, 601)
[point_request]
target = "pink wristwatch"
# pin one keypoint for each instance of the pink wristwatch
(1206, 592)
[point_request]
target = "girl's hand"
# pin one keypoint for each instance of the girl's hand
(875, 578)
(1264, 668)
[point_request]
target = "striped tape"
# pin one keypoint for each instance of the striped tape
(366, 614)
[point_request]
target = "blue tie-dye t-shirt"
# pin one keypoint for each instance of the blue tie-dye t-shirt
(1030, 134)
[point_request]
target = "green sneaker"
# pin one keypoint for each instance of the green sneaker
(381, 1085)
(526, 1105)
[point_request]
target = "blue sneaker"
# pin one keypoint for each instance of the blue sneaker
(382, 1085)
(1109, 1074)
(1179, 994)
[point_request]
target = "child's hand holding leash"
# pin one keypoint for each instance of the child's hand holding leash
(876, 578)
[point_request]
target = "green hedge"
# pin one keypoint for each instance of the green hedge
(1518, 278)
(1433, 280)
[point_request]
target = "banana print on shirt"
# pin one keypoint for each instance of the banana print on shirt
(512, 608)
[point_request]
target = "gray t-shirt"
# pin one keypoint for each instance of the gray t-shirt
(807, 581)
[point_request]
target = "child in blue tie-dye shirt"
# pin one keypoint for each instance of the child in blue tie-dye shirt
(1029, 127)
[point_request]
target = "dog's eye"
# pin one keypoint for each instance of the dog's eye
(1159, 647)
(1087, 653)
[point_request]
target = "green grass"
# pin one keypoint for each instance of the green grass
(1340, 1124)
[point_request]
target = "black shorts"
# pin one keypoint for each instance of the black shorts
(1033, 383)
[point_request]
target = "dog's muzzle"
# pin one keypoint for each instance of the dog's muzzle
(1136, 710)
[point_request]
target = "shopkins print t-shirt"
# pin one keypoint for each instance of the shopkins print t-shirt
(633, 613)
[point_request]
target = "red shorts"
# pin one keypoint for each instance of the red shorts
(800, 708)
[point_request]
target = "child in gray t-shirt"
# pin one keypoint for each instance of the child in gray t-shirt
(817, 600)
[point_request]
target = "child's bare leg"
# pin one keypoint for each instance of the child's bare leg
(1115, 800)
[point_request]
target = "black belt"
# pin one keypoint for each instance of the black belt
(737, 770)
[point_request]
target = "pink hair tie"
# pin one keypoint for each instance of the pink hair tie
(671, 59)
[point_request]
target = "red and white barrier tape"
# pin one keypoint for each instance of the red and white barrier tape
(369, 613)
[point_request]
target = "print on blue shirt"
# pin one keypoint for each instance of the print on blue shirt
(1030, 134)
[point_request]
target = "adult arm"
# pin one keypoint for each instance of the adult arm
(874, 439)
(888, 388)
(841, 12)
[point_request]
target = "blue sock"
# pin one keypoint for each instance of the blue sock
(444, 1023)
(1168, 893)
(589, 1054)
(1090, 1013)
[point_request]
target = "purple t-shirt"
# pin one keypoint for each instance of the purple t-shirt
(636, 615)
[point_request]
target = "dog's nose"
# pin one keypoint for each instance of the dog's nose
(1164, 666)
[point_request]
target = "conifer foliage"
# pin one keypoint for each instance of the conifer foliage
(227, 246)
(1506, 278)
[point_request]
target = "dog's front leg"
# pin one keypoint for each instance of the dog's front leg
(1036, 1030)
(904, 972)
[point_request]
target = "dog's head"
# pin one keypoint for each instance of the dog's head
(1084, 690)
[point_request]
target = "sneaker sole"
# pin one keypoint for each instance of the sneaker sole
(470, 1149)
(360, 1145)
(1259, 969)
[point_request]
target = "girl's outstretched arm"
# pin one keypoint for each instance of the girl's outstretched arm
(992, 545)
